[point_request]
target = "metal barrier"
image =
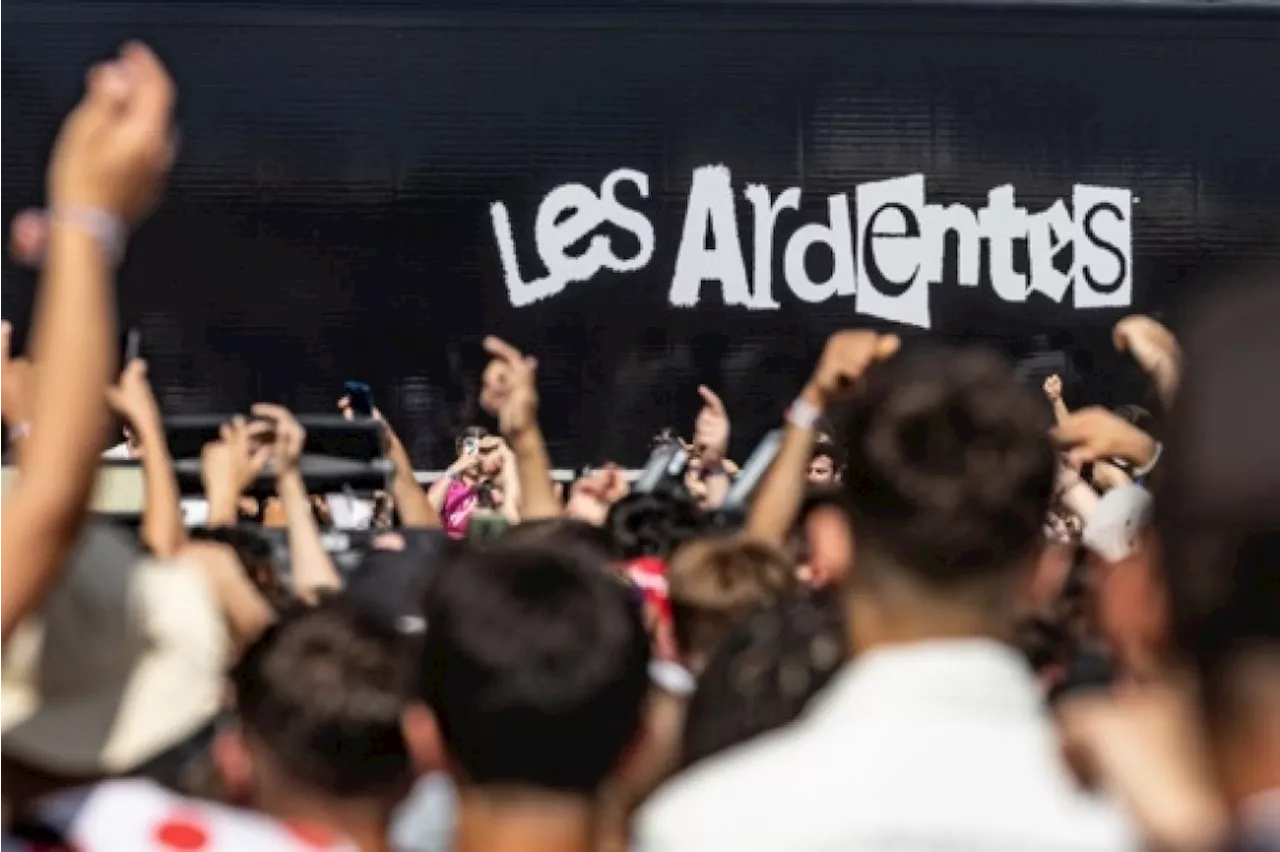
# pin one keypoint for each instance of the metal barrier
(561, 474)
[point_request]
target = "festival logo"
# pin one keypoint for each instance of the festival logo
(886, 249)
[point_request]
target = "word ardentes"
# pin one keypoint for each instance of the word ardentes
(885, 258)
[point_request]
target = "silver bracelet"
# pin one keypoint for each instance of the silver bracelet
(104, 226)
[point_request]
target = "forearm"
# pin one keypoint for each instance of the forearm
(412, 503)
(512, 498)
(73, 337)
(73, 333)
(436, 493)
(311, 567)
(1060, 410)
(162, 528)
(534, 467)
(717, 483)
(224, 506)
(777, 503)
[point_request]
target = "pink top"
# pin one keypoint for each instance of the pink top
(455, 514)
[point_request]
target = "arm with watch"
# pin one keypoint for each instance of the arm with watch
(845, 359)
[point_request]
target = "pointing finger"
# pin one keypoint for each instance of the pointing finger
(502, 350)
(710, 398)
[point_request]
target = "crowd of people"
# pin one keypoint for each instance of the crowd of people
(946, 611)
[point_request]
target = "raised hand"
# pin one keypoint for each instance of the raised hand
(844, 360)
(1154, 348)
(509, 391)
(1053, 388)
(711, 428)
(28, 238)
(230, 464)
(132, 397)
(287, 437)
(117, 145)
(15, 382)
(592, 495)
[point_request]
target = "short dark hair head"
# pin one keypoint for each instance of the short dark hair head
(653, 524)
(556, 532)
(950, 467)
(322, 691)
(536, 666)
(764, 673)
(1218, 497)
(715, 582)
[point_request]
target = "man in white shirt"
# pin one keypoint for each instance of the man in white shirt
(935, 737)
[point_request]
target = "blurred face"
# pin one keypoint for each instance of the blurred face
(822, 470)
(491, 456)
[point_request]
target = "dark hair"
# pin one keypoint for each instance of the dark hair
(764, 673)
(322, 690)
(536, 665)
(469, 433)
(562, 532)
(257, 560)
(950, 469)
(653, 524)
(715, 582)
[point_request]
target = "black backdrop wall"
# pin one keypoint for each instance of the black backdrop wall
(330, 215)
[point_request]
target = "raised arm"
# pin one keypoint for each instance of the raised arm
(510, 393)
(311, 568)
(131, 398)
(1053, 391)
(411, 501)
(105, 173)
(845, 358)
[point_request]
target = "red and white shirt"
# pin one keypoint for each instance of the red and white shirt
(140, 816)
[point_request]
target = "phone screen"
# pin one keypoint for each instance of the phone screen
(360, 396)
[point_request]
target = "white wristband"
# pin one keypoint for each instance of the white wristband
(803, 415)
(1151, 465)
(104, 226)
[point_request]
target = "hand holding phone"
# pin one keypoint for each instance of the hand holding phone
(360, 397)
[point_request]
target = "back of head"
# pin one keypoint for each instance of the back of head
(320, 695)
(1218, 500)
(950, 469)
(536, 665)
(652, 524)
(764, 672)
(558, 532)
(715, 582)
